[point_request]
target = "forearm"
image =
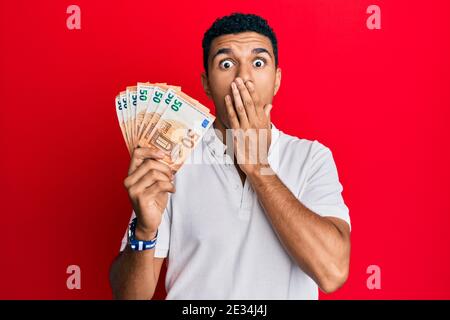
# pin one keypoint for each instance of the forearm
(315, 243)
(132, 275)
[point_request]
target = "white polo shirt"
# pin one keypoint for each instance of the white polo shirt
(215, 233)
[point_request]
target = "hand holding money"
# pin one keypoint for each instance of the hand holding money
(148, 184)
(161, 126)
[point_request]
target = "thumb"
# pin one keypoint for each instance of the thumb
(267, 109)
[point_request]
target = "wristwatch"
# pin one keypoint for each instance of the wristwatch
(139, 245)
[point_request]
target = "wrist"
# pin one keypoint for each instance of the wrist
(143, 241)
(144, 234)
(259, 170)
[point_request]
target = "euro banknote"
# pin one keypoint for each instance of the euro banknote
(158, 115)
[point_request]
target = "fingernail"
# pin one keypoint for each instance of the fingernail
(233, 86)
(239, 81)
(249, 84)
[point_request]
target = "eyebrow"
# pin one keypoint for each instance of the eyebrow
(261, 50)
(228, 51)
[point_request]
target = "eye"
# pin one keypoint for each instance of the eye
(259, 63)
(226, 64)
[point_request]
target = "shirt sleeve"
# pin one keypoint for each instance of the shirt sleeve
(323, 191)
(162, 243)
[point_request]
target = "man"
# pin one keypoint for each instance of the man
(274, 226)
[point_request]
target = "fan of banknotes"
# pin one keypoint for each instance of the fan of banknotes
(162, 116)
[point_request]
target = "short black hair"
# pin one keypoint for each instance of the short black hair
(237, 23)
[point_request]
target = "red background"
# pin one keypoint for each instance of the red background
(378, 98)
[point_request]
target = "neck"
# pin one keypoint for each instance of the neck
(218, 125)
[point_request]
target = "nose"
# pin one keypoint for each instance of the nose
(244, 72)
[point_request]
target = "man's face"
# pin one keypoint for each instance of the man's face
(248, 55)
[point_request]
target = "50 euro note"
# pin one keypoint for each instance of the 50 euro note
(120, 118)
(126, 117)
(144, 92)
(160, 98)
(144, 96)
(179, 129)
(131, 92)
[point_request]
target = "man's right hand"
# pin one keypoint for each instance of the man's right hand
(148, 183)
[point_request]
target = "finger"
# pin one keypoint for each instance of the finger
(238, 104)
(251, 89)
(246, 99)
(150, 178)
(149, 164)
(142, 153)
(232, 116)
(160, 186)
(267, 109)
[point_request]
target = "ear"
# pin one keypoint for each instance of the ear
(277, 81)
(205, 84)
